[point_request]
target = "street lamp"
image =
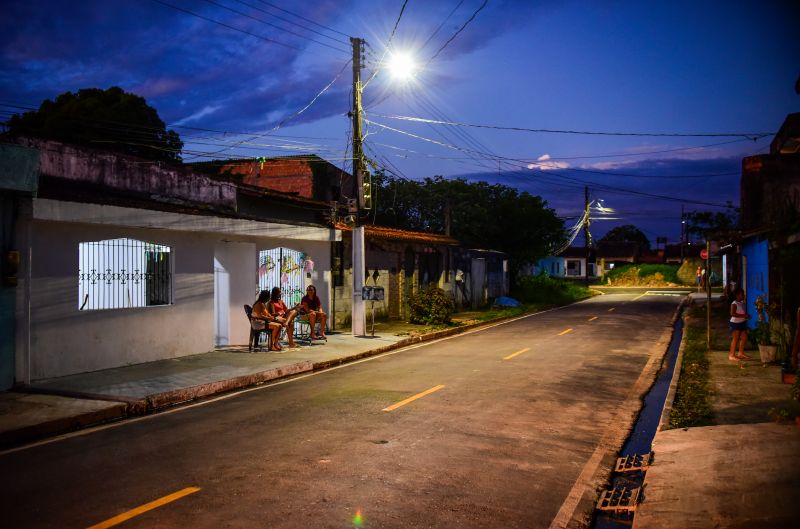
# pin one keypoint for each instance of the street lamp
(402, 67)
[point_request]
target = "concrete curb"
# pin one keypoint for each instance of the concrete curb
(669, 400)
(179, 396)
(27, 434)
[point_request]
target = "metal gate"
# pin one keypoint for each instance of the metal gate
(284, 268)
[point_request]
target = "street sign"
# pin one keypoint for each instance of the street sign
(703, 254)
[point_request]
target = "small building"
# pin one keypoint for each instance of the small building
(571, 263)
(125, 260)
(770, 223)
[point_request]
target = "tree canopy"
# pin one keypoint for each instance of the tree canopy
(701, 225)
(482, 215)
(627, 233)
(111, 119)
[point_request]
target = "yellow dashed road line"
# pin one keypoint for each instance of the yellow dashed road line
(413, 398)
(144, 508)
(562, 333)
(512, 355)
(593, 318)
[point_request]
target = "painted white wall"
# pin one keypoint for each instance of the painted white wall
(239, 260)
(65, 340)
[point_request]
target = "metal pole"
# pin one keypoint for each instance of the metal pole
(358, 316)
(586, 232)
(708, 295)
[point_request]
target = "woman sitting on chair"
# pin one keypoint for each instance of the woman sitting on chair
(261, 318)
(282, 314)
(312, 308)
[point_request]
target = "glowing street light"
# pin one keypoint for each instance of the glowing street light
(401, 66)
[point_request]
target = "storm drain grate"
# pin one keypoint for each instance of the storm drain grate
(634, 462)
(620, 500)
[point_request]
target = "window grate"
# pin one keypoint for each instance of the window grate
(123, 273)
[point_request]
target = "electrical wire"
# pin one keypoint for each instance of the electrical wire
(298, 112)
(291, 22)
(301, 17)
(441, 25)
(270, 24)
(388, 44)
(748, 135)
(260, 37)
(471, 18)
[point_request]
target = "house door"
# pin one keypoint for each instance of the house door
(222, 294)
(478, 279)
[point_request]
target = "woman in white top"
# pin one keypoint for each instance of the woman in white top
(738, 325)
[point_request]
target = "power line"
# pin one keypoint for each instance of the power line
(270, 24)
(441, 25)
(749, 135)
(297, 113)
(301, 17)
(291, 22)
(594, 184)
(457, 32)
(192, 13)
(388, 43)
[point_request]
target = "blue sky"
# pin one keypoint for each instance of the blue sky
(615, 66)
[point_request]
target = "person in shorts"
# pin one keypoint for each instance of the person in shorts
(738, 326)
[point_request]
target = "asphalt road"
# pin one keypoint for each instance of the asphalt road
(513, 417)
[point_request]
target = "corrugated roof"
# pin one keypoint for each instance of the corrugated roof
(383, 232)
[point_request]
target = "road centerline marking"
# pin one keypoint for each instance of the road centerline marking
(593, 318)
(116, 520)
(641, 295)
(611, 309)
(413, 398)
(562, 333)
(512, 355)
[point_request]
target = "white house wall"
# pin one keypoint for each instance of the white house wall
(65, 340)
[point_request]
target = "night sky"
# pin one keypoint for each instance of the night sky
(726, 67)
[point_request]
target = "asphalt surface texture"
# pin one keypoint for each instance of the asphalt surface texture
(505, 421)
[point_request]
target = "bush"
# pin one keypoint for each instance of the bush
(430, 305)
(545, 289)
(643, 275)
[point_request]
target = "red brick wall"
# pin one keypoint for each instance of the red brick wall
(286, 176)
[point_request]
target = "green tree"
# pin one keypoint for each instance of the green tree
(702, 225)
(627, 233)
(111, 119)
(482, 215)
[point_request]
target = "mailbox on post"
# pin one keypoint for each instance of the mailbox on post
(372, 294)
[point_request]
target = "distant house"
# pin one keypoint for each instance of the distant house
(770, 222)
(125, 260)
(403, 261)
(571, 263)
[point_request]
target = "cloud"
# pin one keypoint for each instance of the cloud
(544, 164)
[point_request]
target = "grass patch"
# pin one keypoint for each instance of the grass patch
(692, 406)
(544, 291)
(652, 275)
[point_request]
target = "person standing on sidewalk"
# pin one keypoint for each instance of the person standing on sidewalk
(738, 325)
(698, 278)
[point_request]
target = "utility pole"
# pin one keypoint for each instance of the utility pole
(586, 231)
(683, 232)
(358, 313)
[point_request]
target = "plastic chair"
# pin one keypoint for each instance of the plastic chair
(255, 334)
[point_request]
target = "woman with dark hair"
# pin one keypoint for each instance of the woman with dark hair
(260, 319)
(738, 325)
(282, 314)
(312, 308)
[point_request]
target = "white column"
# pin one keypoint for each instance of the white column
(359, 313)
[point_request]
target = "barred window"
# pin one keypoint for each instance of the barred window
(123, 273)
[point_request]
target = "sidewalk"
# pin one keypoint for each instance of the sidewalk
(60, 405)
(741, 472)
